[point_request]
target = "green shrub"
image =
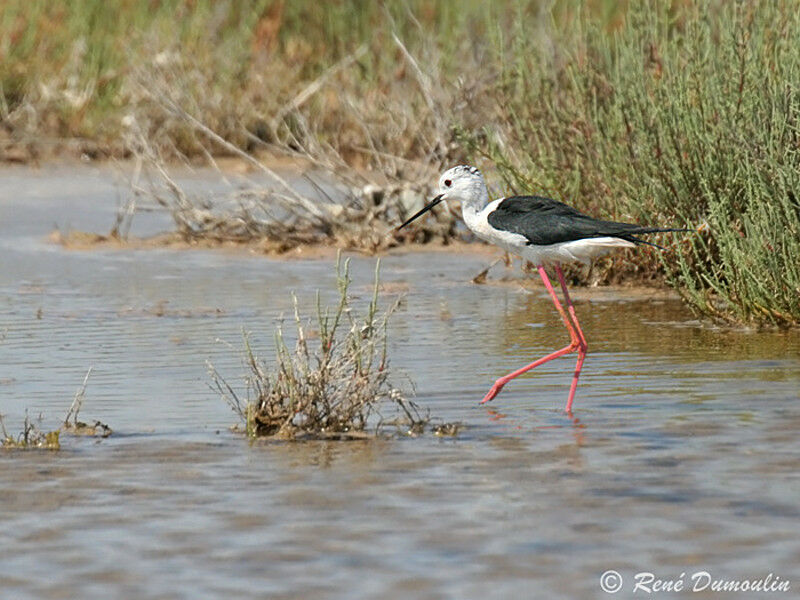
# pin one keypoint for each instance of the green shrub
(687, 118)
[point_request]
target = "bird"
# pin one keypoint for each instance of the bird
(545, 232)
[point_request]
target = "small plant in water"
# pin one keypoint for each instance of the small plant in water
(334, 384)
(31, 437)
(75, 427)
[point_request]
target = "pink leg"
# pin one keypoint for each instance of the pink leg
(574, 344)
(581, 339)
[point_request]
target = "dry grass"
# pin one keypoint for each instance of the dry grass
(75, 427)
(33, 437)
(354, 91)
(335, 384)
(352, 84)
(344, 211)
(30, 438)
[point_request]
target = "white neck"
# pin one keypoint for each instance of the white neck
(472, 208)
(475, 199)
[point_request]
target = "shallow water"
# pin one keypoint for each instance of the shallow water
(681, 455)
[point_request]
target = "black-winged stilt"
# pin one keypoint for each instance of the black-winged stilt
(544, 232)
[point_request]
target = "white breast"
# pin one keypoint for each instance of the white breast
(478, 222)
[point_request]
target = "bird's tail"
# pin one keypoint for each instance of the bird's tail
(646, 230)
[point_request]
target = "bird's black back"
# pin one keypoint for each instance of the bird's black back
(544, 221)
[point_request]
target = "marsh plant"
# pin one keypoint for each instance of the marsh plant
(684, 116)
(75, 427)
(335, 382)
(31, 437)
(271, 214)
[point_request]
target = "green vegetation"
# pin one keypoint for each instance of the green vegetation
(334, 385)
(671, 114)
(688, 118)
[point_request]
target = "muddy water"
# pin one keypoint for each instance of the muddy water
(682, 454)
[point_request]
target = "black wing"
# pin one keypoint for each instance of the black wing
(544, 221)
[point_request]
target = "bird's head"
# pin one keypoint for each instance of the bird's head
(462, 183)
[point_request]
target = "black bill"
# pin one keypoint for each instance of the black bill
(429, 206)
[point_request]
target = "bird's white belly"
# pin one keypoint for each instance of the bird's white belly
(576, 251)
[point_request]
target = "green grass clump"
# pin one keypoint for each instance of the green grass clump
(684, 117)
(333, 385)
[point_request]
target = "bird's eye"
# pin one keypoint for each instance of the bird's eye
(447, 183)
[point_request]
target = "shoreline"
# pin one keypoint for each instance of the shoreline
(78, 241)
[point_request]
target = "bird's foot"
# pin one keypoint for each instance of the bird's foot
(498, 385)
